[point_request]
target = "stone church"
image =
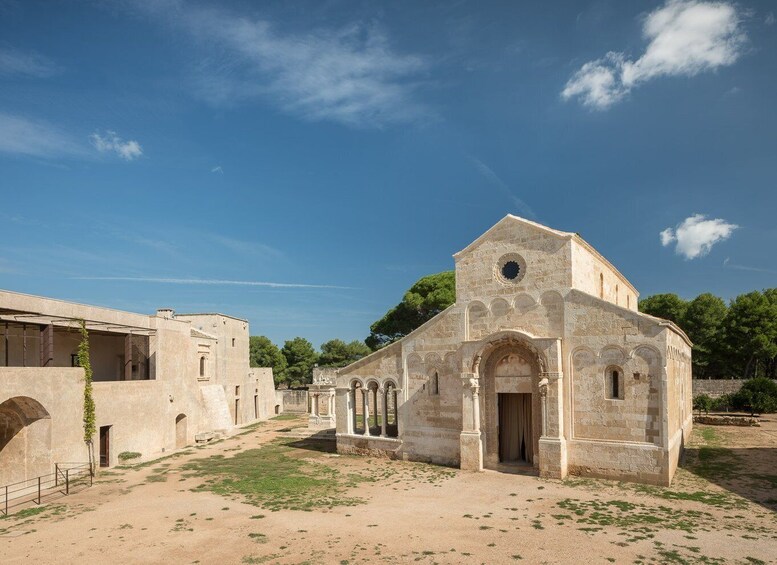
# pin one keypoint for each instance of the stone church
(543, 361)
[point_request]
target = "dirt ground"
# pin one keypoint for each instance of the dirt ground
(721, 508)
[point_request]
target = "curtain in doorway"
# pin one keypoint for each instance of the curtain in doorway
(515, 437)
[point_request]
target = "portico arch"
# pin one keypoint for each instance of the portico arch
(25, 439)
(510, 412)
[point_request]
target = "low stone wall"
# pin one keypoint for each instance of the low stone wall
(716, 388)
(293, 401)
(745, 421)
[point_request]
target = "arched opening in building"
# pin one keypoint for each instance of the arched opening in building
(390, 409)
(180, 431)
(202, 366)
(356, 402)
(25, 439)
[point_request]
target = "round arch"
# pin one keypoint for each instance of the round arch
(25, 439)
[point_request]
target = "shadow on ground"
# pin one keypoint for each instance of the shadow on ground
(742, 461)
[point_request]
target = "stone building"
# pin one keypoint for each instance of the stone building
(543, 361)
(159, 381)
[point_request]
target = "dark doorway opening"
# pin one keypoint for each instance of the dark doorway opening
(105, 446)
(516, 444)
(256, 406)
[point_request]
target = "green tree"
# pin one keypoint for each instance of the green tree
(666, 306)
(758, 394)
(264, 353)
(300, 357)
(337, 353)
(703, 322)
(428, 297)
(750, 330)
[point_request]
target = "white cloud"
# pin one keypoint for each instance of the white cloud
(488, 173)
(217, 169)
(350, 75)
(770, 19)
(15, 62)
(210, 282)
(127, 150)
(685, 37)
(695, 236)
(22, 136)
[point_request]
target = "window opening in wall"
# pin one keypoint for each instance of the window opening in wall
(628, 301)
(202, 366)
(601, 286)
(614, 384)
(74, 360)
(237, 390)
(511, 270)
(237, 411)
(616, 294)
(435, 384)
(233, 342)
(256, 406)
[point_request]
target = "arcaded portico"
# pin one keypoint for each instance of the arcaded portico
(543, 361)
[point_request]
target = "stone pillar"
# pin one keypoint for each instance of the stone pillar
(553, 449)
(128, 357)
(470, 440)
(47, 346)
(384, 412)
(366, 404)
(375, 404)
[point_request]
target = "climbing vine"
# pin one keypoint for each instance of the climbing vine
(83, 361)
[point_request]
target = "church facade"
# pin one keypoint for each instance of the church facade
(543, 361)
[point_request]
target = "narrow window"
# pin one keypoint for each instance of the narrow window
(233, 342)
(628, 301)
(202, 366)
(237, 390)
(601, 286)
(435, 384)
(614, 384)
(614, 380)
(616, 294)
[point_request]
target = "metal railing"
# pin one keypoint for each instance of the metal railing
(65, 479)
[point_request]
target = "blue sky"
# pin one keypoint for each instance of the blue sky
(185, 154)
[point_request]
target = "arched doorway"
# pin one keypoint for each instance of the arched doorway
(511, 412)
(25, 439)
(180, 431)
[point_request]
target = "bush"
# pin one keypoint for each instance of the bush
(702, 403)
(723, 403)
(127, 455)
(758, 394)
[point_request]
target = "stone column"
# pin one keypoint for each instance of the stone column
(470, 440)
(366, 410)
(375, 404)
(128, 357)
(384, 412)
(553, 449)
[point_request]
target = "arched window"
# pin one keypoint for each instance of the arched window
(614, 383)
(202, 366)
(434, 384)
(601, 286)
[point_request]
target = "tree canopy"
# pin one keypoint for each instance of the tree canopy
(738, 340)
(337, 353)
(429, 296)
(264, 353)
(301, 357)
(666, 306)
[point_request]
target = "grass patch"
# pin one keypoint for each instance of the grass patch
(284, 417)
(270, 478)
(127, 455)
(638, 518)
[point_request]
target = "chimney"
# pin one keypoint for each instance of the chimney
(168, 313)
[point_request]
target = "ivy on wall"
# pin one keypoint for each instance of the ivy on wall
(83, 361)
